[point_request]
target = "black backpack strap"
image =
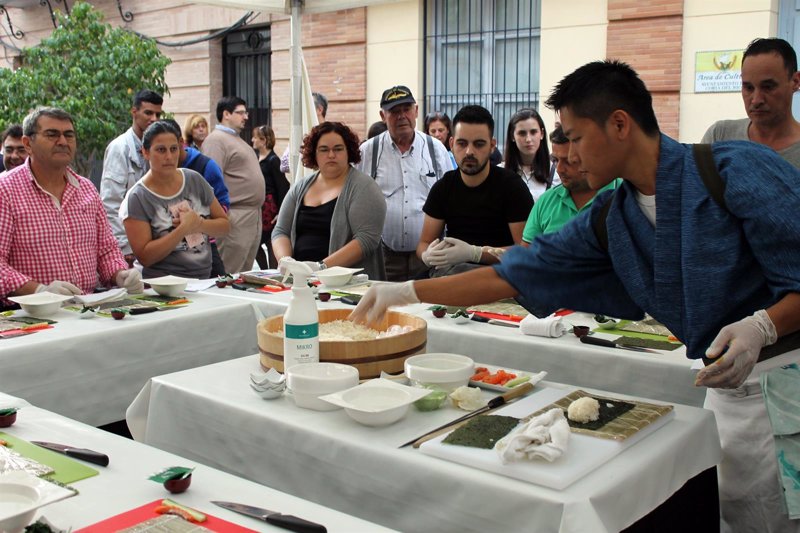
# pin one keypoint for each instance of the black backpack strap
(375, 148)
(707, 168)
(433, 156)
(600, 230)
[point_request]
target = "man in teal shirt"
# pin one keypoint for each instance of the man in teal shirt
(561, 203)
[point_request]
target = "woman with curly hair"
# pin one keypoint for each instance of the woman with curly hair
(334, 217)
(526, 152)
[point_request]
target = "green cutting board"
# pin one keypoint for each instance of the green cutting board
(66, 470)
(624, 333)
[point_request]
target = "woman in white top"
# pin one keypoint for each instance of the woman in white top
(171, 212)
(526, 152)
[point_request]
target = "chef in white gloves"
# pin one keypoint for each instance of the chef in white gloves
(721, 271)
(54, 234)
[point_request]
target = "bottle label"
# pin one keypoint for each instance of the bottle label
(305, 331)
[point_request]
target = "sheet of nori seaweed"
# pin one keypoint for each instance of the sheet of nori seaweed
(482, 431)
(607, 414)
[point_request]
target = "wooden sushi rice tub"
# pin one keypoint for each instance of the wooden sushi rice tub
(370, 357)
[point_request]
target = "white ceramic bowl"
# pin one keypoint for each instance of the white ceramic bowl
(308, 381)
(447, 371)
(336, 276)
(168, 285)
(18, 504)
(41, 304)
(378, 402)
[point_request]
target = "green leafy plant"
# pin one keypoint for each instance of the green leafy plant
(91, 70)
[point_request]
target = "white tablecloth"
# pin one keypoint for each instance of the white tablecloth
(90, 370)
(211, 415)
(123, 485)
(665, 376)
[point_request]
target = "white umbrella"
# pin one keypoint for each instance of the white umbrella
(296, 8)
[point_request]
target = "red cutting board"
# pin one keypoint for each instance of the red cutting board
(147, 511)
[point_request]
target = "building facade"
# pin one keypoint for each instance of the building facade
(504, 54)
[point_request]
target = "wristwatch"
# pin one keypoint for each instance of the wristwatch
(322, 265)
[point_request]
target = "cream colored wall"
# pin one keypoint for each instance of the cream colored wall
(718, 25)
(573, 33)
(395, 44)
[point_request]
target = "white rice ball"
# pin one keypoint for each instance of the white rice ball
(584, 410)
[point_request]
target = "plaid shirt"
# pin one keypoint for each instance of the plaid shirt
(44, 240)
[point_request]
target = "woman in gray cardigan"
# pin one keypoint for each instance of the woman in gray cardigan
(334, 217)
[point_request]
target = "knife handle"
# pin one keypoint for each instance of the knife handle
(598, 341)
(90, 456)
(519, 390)
(142, 310)
(293, 523)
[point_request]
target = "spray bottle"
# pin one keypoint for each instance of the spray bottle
(301, 320)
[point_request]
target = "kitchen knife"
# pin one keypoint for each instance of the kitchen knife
(494, 403)
(611, 344)
(285, 521)
(83, 454)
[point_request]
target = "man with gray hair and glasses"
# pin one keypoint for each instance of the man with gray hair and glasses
(54, 234)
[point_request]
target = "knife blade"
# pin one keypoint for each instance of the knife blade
(494, 403)
(83, 454)
(611, 344)
(285, 521)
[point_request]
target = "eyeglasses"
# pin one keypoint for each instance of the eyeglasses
(54, 135)
(241, 112)
(337, 150)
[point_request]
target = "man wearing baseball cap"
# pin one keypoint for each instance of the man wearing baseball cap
(405, 163)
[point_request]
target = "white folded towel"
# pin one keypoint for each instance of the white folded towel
(545, 436)
(98, 298)
(550, 326)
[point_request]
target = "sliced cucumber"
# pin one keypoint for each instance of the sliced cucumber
(517, 381)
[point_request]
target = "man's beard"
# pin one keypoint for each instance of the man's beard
(476, 170)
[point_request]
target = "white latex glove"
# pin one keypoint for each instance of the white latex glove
(130, 280)
(313, 265)
(59, 287)
(744, 340)
(434, 246)
(379, 298)
(458, 251)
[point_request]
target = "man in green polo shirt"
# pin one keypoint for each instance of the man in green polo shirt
(558, 205)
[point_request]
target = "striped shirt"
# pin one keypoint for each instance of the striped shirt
(44, 239)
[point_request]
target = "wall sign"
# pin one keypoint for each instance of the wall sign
(718, 71)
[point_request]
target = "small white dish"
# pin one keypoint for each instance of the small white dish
(336, 276)
(41, 304)
(88, 312)
(378, 402)
(168, 285)
(308, 381)
(21, 494)
(461, 319)
(269, 393)
(448, 371)
(269, 385)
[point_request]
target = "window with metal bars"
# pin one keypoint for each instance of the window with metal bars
(483, 52)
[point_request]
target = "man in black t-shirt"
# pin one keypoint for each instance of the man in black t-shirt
(480, 208)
